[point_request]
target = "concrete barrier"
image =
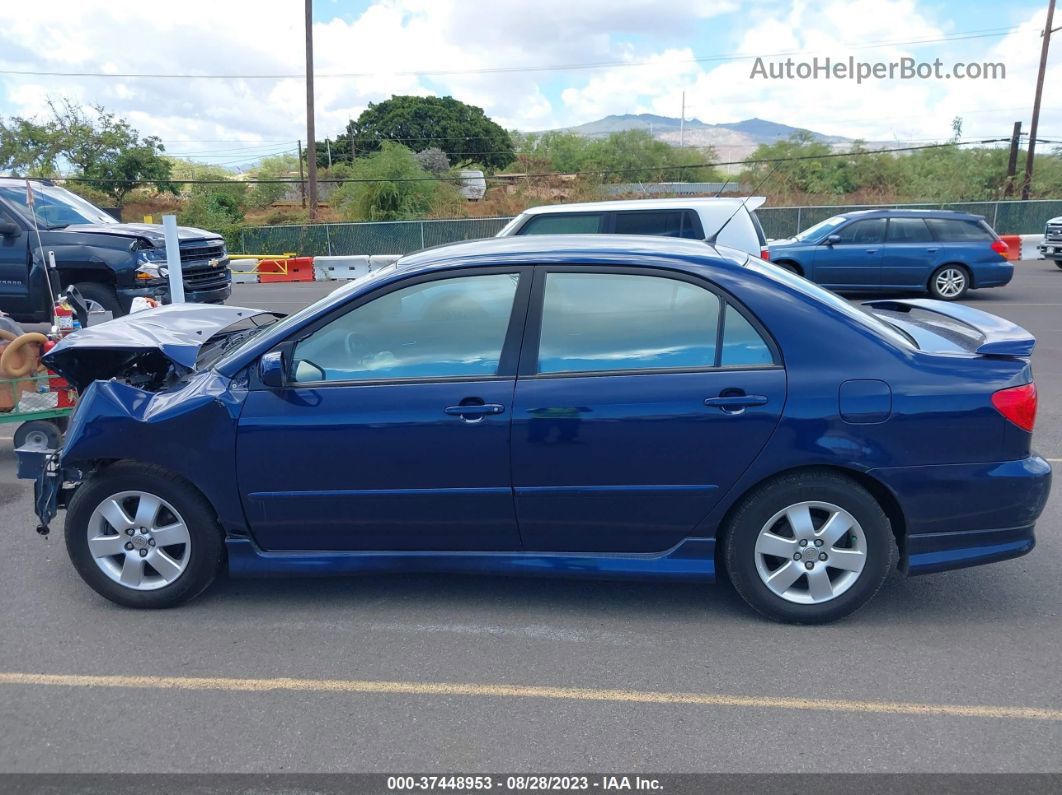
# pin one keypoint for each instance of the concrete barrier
(330, 268)
(244, 271)
(1029, 245)
(377, 261)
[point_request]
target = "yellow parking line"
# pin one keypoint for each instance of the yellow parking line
(528, 691)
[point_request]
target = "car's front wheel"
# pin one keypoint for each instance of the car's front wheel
(143, 537)
(949, 282)
(808, 548)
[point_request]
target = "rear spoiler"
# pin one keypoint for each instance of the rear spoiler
(1001, 337)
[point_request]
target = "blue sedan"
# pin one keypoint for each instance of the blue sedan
(565, 405)
(940, 252)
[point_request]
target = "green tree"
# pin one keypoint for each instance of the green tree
(635, 156)
(28, 148)
(278, 167)
(395, 187)
(463, 132)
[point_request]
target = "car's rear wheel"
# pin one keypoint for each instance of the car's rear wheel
(949, 282)
(808, 548)
(1058, 263)
(142, 537)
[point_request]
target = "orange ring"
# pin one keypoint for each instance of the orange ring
(29, 363)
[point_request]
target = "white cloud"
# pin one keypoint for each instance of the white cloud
(404, 36)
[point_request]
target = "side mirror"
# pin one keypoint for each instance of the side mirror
(9, 229)
(831, 239)
(272, 370)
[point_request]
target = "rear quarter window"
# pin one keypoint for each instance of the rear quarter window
(958, 230)
(661, 223)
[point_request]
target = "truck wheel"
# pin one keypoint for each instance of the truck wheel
(39, 433)
(1058, 263)
(100, 297)
(143, 537)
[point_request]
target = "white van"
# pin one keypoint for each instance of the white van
(729, 222)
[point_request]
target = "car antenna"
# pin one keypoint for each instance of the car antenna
(31, 205)
(710, 240)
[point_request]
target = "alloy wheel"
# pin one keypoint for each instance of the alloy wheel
(950, 282)
(810, 552)
(139, 540)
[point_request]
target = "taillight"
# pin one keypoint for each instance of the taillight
(765, 253)
(1000, 247)
(1017, 404)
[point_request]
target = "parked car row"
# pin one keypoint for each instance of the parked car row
(939, 252)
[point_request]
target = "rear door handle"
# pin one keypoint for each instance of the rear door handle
(732, 402)
(931, 251)
(475, 410)
(872, 251)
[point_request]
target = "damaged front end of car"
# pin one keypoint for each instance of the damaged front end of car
(147, 394)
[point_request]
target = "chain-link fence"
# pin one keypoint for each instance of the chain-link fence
(401, 237)
(381, 237)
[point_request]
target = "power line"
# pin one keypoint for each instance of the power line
(596, 173)
(734, 56)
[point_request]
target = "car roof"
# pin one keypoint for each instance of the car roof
(574, 250)
(752, 202)
(913, 212)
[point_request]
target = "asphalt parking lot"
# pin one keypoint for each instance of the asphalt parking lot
(948, 672)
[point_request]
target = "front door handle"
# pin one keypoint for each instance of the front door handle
(931, 251)
(736, 402)
(872, 251)
(475, 410)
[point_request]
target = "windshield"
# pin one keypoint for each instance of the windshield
(55, 207)
(832, 300)
(822, 227)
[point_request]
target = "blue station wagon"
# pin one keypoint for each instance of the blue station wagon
(940, 252)
(561, 405)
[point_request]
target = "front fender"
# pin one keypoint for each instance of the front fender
(189, 430)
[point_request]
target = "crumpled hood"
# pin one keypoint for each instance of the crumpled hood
(176, 331)
(152, 232)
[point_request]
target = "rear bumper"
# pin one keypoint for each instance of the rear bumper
(962, 515)
(995, 275)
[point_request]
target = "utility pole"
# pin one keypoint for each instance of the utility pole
(302, 178)
(328, 148)
(353, 154)
(311, 139)
(682, 121)
(1027, 182)
(1012, 163)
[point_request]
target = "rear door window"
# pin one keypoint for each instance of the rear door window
(908, 230)
(958, 230)
(661, 223)
(594, 322)
(564, 224)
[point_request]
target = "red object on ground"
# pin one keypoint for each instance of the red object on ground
(1012, 243)
(296, 269)
(1017, 404)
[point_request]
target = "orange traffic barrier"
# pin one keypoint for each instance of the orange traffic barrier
(1013, 246)
(296, 269)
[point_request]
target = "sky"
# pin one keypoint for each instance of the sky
(529, 65)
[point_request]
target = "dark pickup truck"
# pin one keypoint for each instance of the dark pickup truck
(111, 263)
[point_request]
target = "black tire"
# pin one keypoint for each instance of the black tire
(757, 509)
(46, 431)
(102, 294)
(942, 293)
(1058, 263)
(206, 552)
